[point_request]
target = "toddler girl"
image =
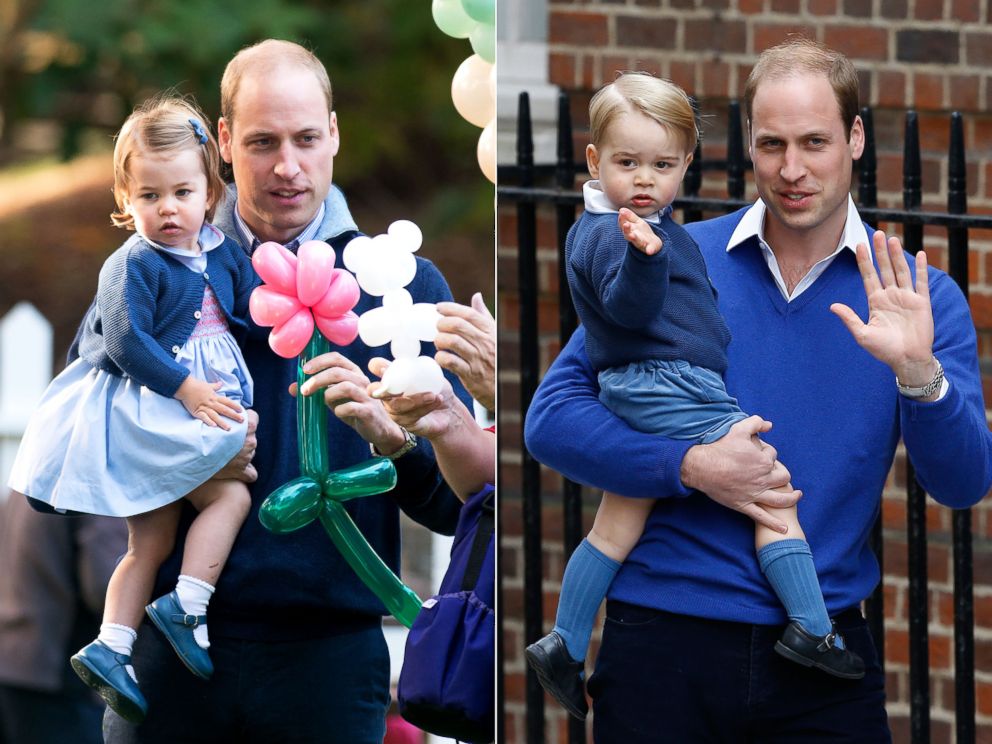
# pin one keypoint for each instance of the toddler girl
(151, 410)
(654, 332)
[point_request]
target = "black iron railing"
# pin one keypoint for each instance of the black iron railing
(528, 184)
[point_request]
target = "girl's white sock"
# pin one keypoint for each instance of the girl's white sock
(119, 638)
(194, 596)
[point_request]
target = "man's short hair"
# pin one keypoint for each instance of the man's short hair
(798, 56)
(661, 100)
(264, 57)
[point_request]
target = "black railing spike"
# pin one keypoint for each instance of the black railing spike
(868, 165)
(912, 176)
(735, 152)
(530, 470)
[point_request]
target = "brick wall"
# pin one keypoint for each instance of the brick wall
(930, 55)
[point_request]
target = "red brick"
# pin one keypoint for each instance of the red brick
(716, 79)
(929, 10)
(785, 6)
(894, 9)
(978, 48)
(750, 7)
(767, 35)
(934, 135)
(585, 29)
(928, 91)
(897, 646)
(963, 91)
(927, 46)
(613, 64)
(891, 86)
(858, 42)
(716, 36)
(940, 652)
(587, 78)
(655, 33)
(651, 65)
(966, 10)
(983, 697)
(822, 7)
(561, 69)
(857, 9)
(683, 74)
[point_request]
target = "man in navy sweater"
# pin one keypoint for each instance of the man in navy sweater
(296, 637)
(844, 357)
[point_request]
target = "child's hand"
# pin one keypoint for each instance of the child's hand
(202, 401)
(638, 232)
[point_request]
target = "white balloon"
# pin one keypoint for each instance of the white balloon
(398, 299)
(427, 377)
(397, 378)
(404, 347)
(425, 317)
(356, 252)
(375, 327)
(407, 234)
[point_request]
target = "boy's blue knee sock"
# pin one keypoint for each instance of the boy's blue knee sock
(788, 566)
(587, 578)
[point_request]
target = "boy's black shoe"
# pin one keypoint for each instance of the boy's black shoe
(560, 675)
(819, 652)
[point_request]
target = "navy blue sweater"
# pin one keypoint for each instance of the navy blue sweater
(148, 303)
(636, 307)
(278, 587)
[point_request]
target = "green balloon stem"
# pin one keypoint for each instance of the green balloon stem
(311, 415)
(368, 478)
(401, 601)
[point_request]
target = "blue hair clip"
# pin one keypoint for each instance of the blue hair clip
(199, 131)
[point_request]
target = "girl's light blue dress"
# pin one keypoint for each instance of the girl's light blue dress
(103, 444)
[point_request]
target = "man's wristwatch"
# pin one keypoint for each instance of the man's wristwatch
(409, 444)
(927, 390)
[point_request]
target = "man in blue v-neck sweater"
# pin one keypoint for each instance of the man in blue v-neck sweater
(843, 357)
(295, 636)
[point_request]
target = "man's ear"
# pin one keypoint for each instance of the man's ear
(592, 160)
(224, 139)
(857, 140)
(335, 133)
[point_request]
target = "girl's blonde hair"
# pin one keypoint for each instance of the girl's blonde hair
(661, 100)
(164, 124)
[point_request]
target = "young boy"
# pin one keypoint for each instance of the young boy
(655, 334)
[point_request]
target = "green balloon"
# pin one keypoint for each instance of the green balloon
(451, 18)
(317, 494)
(368, 478)
(483, 11)
(483, 38)
(291, 506)
(400, 600)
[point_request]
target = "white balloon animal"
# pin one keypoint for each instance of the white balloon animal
(384, 265)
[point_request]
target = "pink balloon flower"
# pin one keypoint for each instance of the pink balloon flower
(302, 291)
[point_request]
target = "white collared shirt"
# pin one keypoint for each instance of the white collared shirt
(195, 260)
(251, 241)
(597, 203)
(753, 225)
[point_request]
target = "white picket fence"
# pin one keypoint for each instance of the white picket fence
(26, 370)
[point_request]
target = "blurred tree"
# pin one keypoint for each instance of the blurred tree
(85, 65)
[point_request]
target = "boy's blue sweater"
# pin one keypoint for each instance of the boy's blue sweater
(636, 307)
(837, 419)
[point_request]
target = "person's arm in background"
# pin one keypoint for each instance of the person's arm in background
(466, 347)
(99, 543)
(466, 453)
(570, 430)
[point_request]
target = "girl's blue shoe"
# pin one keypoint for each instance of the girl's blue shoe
(177, 627)
(102, 668)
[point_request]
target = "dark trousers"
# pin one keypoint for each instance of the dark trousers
(70, 715)
(662, 677)
(324, 691)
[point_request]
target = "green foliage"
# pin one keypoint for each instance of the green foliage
(390, 66)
